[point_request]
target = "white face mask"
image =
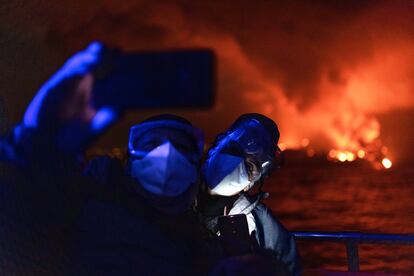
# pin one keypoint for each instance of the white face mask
(230, 173)
(164, 171)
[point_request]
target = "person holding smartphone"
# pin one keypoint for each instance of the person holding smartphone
(238, 160)
(109, 219)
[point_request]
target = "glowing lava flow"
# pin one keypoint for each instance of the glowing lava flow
(386, 163)
(374, 153)
(375, 157)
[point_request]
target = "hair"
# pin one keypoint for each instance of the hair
(170, 117)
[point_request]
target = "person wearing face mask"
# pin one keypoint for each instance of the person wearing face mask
(238, 160)
(60, 217)
(145, 208)
(164, 155)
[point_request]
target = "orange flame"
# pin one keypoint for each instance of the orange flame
(328, 87)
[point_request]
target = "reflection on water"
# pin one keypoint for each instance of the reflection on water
(346, 197)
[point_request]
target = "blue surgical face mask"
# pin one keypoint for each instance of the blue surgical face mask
(164, 171)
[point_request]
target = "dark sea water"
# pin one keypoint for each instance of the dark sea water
(324, 196)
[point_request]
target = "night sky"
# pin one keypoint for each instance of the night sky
(335, 72)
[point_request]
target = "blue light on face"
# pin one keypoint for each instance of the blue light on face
(249, 138)
(154, 138)
(146, 136)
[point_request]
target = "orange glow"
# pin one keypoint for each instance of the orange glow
(310, 152)
(342, 156)
(386, 163)
(372, 152)
(361, 154)
(350, 156)
(305, 142)
(335, 91)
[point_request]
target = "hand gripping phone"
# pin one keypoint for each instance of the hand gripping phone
(234, 232)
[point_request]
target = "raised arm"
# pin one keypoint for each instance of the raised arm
(61, 117)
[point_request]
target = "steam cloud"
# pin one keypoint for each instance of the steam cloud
(324, 70)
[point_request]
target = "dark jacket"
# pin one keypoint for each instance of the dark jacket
(119, 234)
(40, 197)
(272, 238)
(57, 221)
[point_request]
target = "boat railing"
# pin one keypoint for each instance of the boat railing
(352, 241)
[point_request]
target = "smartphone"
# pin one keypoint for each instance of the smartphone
(163, 79)
(234, 231)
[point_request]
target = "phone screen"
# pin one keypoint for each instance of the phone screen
(167, 79)
(234, 228)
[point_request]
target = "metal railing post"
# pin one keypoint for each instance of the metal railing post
(352, 256)
(352, 241)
